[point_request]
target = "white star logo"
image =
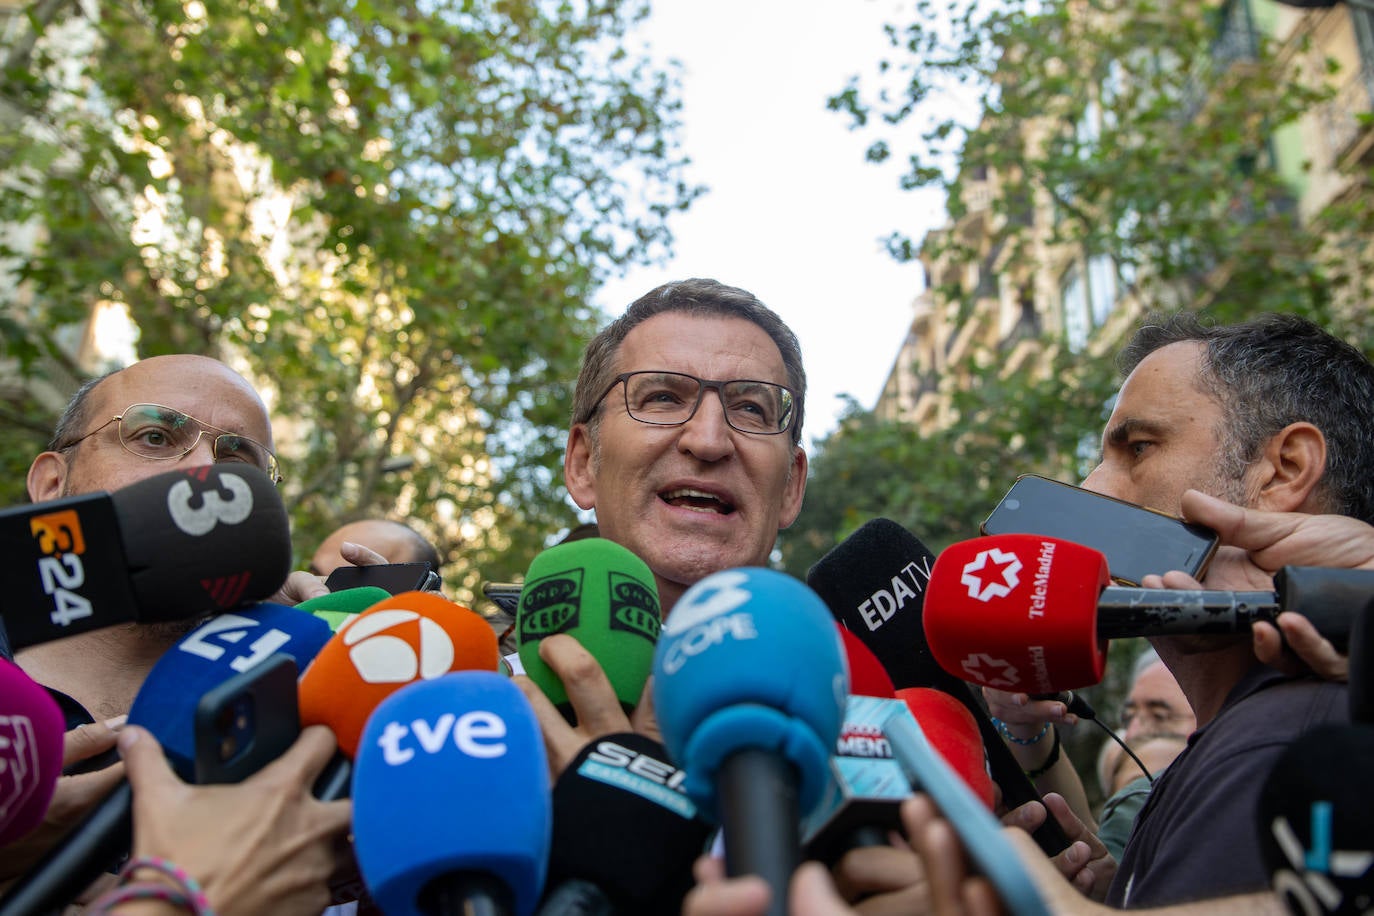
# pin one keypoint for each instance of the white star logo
(990, 672)
(991, 574)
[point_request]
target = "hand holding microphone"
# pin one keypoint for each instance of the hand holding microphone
(587, 623)
(261, 846)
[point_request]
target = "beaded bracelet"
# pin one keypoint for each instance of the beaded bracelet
(186, 893)
(1050, 761)
(1024, 742)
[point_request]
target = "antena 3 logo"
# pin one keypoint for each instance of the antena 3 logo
(395, 646)
(991, 574)
(550, 605)
(634, 607)
(60, 569)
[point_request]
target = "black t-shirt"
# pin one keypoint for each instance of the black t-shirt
(1197, 836)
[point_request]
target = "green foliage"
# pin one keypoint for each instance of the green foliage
(393, 216)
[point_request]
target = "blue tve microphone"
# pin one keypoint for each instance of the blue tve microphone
(451, 799)
(749, 689)
(224, 647)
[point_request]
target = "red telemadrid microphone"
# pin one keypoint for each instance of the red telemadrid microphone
(1033, 614)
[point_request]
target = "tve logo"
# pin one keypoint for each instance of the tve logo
(60, 568)
(478, 733)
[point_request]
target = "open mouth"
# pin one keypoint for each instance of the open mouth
(697, 500)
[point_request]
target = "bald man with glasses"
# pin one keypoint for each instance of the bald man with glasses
(161, 413)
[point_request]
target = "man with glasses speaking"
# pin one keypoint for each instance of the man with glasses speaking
(686, 441)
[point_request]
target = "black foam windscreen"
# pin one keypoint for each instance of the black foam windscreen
(1316, 822)
(621, 823)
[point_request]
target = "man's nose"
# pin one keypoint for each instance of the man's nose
(707, 435)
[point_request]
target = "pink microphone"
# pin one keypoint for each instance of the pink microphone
(31, 729)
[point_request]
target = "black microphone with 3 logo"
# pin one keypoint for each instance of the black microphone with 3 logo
(175, 546)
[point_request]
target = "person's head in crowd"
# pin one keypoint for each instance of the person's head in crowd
(686, 431)
(160, 413)
(1155, 704)
(1155, 721)
(398, 542)
(1263, 414)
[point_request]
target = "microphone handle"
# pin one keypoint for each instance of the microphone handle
(576, 897)
(1126, 611)
(467, 893)
(101, 839)
(759, 814)
(335, 780)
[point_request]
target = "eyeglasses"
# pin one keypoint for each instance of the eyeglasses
(163, 434)
(672, 398)
(1156, 716)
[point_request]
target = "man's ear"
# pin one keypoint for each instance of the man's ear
(578, 474)
(794, 490)
(1290, 468)
(47, 475)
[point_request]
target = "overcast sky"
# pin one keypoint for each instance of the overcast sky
(794, 214)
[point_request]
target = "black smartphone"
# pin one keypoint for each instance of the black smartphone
(505, 595)
(393, 578)
(246, 722)
(1136, 541)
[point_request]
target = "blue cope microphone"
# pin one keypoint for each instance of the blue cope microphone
(223, 647)
(749, 689)
(451, 799)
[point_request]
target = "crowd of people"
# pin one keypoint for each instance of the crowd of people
(1254, 430)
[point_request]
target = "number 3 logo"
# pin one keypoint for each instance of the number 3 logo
(213, 507)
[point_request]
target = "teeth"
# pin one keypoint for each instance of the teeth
(686, 492)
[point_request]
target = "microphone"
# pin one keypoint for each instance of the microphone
(451, 808)
(749, 689)
(413, 636)
(979, 831)
(953, 734)
(605, 597)
(866, 675)
(1362, 667)
(337, 608)
(223, 647)
(875, 583)
(863, 800)
(31, 728)
(1034, 613)
(171, 547)
(1314, 824)
(624, 832)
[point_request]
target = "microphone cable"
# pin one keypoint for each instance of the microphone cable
(1080, 707)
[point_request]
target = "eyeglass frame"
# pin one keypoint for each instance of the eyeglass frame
(273, 469)
(703, 384)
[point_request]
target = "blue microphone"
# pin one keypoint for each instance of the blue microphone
(749, 689)
(224, 647)
(451, 799)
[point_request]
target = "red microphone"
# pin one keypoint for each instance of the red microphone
(867, 677)
(1018, 612)
(1031, 613)
(953, 732)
